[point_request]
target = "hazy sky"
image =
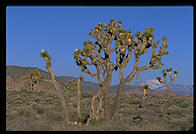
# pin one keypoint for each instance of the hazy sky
(60, 30)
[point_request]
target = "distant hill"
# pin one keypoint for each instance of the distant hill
(179, 89)
(15, 75)
(158, 87)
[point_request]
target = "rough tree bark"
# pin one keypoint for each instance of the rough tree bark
(59, 91)
(79, 94)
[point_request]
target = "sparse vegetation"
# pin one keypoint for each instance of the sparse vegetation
(31, 110)
(70, 109)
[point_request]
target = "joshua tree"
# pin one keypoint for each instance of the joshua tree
(144, 87)
(47, 58)
(165, 82)
(79, 95)
(33, 78)
(99, 55)
(70, 86)
(140, 46)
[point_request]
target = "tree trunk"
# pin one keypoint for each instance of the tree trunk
(168, 91)
(117, 98)
(106, 88)
(79, 93)
(106, 104)
(60, 94)
(94, 112)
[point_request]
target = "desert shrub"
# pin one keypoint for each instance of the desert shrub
(184, 105)
(39, 109)
(86, 95)
(151, 104)
(179, 124)
(18, 102)
(173, 109)
(80, 119)
(55, 116)
(11, 114)
(135, 101)
(26, 111)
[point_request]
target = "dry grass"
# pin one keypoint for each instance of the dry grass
(41, 111)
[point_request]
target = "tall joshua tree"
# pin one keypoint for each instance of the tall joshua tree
(99, 55)
(165, 82)
(47, 58)
(139, 46)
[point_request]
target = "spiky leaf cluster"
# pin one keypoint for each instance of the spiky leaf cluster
(164, 73)
(70, 86)
(33, 75)
(81, 78)
(80, 118)
(44, 54)
(149, 33)
(98, 52)
(145, 86)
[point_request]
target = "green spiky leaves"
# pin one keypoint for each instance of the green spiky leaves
(176, 72)
(169, 69)
(149, 33)
(120, 22)
(158, 78)
(34, 72)
(83, 69)
(81, 78)
(44, 54)
(70, 86)
(76, 53)
(145, 86)
(138, 34)
(112, 21)
(164, 39)
(164, 72)
(80, 119)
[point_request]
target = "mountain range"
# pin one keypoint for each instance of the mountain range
(154, 85)
(15, 80)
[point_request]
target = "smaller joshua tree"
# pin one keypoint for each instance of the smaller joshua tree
(70, 86)
(47, 58)
(79, 95)
(145, 87)
(168, 85)
(33, 78)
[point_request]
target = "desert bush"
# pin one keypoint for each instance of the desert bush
(87, 95)
(151, 104)
(135, 101)
(80, 119)
(173, 109)
(184, 105)
(46, 114)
